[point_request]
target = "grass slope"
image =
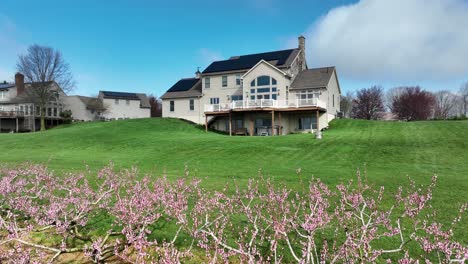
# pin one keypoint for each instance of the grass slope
(389, 151)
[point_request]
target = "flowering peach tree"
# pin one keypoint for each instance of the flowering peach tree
(121, 216)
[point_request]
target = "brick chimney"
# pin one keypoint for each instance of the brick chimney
(301, 40)
(19, 83)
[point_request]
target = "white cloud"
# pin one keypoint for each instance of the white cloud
(393, 40)
(207, 56)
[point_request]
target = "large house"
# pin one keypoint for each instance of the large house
(272, 93)
(19, 110)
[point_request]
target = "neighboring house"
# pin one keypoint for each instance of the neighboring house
(20, 112)
(272, 93)
(84, 108)
(109, 106)
(121, 105)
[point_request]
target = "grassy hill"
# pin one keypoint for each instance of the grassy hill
(389, 151)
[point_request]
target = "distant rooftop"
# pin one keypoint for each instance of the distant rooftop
(276, 58)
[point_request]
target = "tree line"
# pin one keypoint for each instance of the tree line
(407, 103)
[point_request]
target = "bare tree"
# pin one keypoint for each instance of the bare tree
(42, 66)
(97, 106)
(390, 96)
(368, 104)
(413, 103)
(346, 104)
(464, 98)
(445, 102)
(156, 106)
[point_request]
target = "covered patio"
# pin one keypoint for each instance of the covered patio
(263, 122)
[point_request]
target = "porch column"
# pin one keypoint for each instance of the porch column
(273, 130)
(230, 123)
(16, 124)
(280, 130)
(318, 127)
(251, 125)
(206, 123)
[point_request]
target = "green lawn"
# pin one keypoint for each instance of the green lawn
(387, 150)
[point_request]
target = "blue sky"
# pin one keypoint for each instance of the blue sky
(146, 46)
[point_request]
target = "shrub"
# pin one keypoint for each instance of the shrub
(262, 222)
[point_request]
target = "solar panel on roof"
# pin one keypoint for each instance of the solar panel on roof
(248, 61)
(120, 95)
(183, 85)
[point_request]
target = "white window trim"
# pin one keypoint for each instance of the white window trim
(222, 81)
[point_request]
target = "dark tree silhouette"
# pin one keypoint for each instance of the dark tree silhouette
(413, 103)
(156, 106)
(368, 104)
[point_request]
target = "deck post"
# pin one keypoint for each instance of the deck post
(16, 124)
(318, 127)
(206, 123)
(273, 130)
(280, 130)
(251, 125)
(230, 123)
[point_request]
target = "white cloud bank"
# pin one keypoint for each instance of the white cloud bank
(393, 40)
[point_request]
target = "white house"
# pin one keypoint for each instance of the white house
(271, 93)
(19, 110)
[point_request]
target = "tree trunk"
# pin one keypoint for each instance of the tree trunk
(43, 127)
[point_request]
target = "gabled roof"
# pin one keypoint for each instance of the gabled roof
(266, 63)
(119, 95)
(313, 78)
(190, 87)
(281, 58)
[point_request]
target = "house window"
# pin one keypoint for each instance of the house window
(307, 94)
(214, 100)
(31, 109)
(127, 102)
(224, 81)
(38, 110)
(1, 107)
(171, 106)
(2, 95)
(264, 87)
(236, 97)
(306, 123)
(49, 111)
(116, 101)
(238, 79)
(55, 111)
(207, 82)
(192, 104)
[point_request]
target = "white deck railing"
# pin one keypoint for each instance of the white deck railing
(265, 103)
